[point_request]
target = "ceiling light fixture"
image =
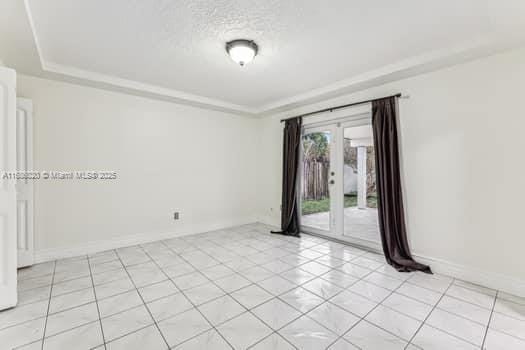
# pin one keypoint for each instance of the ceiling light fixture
(242, 51)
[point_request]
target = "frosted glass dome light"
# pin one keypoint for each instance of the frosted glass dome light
(242, 51)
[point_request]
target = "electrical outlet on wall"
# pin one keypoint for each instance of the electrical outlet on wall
(176, 215)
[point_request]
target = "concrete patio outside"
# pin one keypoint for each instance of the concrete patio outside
(358, 223)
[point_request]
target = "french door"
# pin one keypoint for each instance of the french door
(318, 179)
(337, 193)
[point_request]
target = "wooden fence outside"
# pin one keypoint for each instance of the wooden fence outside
(315, 179)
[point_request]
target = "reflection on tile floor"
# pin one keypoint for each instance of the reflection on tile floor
(244, 288)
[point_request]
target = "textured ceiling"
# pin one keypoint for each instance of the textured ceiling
(307, 48)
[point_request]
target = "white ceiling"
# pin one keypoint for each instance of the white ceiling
(308, 49)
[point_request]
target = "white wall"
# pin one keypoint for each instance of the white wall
(462, 149)
(168, 157)
(461, 133)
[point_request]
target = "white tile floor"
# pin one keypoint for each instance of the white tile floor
(245, 288)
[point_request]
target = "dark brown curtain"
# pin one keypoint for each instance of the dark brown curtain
(390, 198)
(289, 210)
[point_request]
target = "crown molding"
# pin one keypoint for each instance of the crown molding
(149, 89)
(424, 63)
(108, 81)
(33, 32)
(404, 69)
(421, 64)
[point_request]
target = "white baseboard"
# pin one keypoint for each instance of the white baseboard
(269, 220)
(120, 241)
(492, 280)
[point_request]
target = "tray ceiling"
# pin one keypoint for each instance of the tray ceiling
(308, 49)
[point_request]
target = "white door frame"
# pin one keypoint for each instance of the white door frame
(8, 251)
(359, 117)
(24, 186)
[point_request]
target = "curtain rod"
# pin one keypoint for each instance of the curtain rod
(342, 106)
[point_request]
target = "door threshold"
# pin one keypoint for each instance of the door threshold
(345, 242)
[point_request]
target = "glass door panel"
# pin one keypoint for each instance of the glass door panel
(317, 179)
(338, 181)
(359, 184)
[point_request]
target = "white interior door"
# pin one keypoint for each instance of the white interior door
(24, 186)
(8, 222)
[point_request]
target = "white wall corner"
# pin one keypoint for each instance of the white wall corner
(270, 220)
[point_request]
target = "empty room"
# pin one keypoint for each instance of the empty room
(263, 175)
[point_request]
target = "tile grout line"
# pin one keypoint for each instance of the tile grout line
(290, 252)
(302, 314)
(71, 308)
(459, 316)
(234, 272)
(256, 264)
(117, 313)
(128, 333)
(143, 302)
(118, 294)
(490, 320)
(430, 313)
(300, 285)
(252, 284)
(392, 291)
(197, 248)
(194, 305)
(361, 319)
(96, 302)
(50, 296)
(49, 304)
(239, 272)
(448, 295)
(347, 289)
(443, 293)
(470, 290)
(331, 268)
